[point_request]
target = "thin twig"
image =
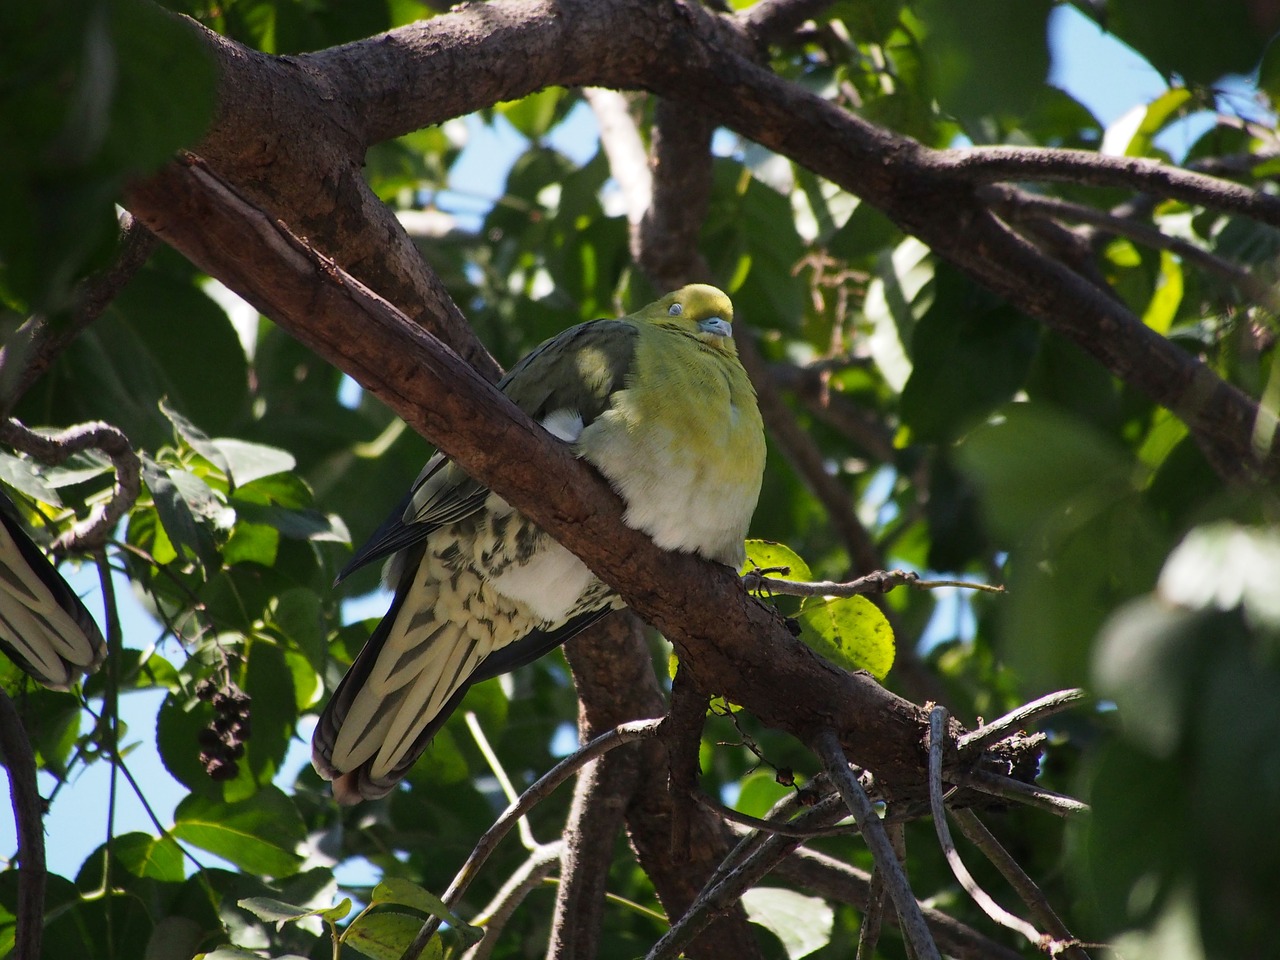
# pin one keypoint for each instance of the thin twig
(833, 879)
(911, 920)
(111, 713)
(993, 783)
(508, 789)
(93, 531)
(753, 857)
(881, 581)
(869, 931)
(975, 741)
(539, 865)
(1026, 888)
(937, 739)
(773, 826)
(34, 347)
(28, 814)
(539, 791)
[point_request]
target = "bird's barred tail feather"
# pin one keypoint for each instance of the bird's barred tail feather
(44, 626)
(403, 686)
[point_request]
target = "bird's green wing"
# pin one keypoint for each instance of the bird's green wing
(576, 371)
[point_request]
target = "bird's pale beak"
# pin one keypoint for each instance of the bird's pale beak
(716, 326)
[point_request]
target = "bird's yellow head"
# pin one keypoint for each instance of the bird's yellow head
(700, 310)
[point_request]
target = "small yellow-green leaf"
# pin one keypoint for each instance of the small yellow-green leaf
(1167, 297)
(849, 631)
(765, 554)
(406, 893)
(280, 913)
(409, 894)
(385, 935)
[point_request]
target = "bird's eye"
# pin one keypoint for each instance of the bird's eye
(675, 310)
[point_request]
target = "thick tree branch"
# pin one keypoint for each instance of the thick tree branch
(614, 676)
(480, 54)
(997, 164)
(680, 158)
(600, 799)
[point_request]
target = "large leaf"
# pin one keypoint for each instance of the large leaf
(259, 835)
(802, 923)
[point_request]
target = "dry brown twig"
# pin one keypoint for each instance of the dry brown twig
(56, 448)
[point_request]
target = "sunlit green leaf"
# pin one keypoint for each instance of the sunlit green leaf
(849, 631)
(767, 555)
(385, 935)
(259, 835)
(802, 923)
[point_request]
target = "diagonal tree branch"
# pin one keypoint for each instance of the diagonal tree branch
(427, 72)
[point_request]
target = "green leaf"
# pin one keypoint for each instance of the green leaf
(386, 934)
(280, 913)
(1226, 37)
(760, 791)
(1134, 134)
(259, 835)
(247, 462)
(405, 893)
(766, 554)
(268, 680)
(299, 617)
(158, 858)
(251, 543)
(24, 475)
(175, 938)
(1223, 566)
(1031, 460)
(195, 437)
(970, 353)
(1269, 72)
(849, 631)
(962, 42)
(294, 524)
(802, 923)
(173, 510)
(535, 114)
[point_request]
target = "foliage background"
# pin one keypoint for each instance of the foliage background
(966, 438)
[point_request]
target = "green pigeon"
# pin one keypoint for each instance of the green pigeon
(44, 626)
(659, 403)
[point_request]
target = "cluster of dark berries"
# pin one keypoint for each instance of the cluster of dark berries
(222, 742)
